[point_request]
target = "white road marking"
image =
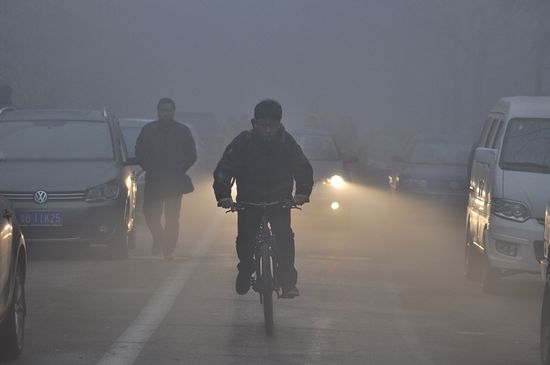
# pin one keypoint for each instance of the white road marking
(128, 346)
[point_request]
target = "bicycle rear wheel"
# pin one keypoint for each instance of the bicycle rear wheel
(267, 293)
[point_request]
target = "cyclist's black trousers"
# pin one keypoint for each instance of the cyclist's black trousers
(248, 223)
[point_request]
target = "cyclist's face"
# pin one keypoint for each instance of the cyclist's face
(267, 128)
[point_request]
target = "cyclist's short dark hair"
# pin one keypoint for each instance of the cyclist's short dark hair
(268, 109)
(166, 101)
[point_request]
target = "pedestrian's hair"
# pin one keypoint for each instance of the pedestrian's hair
(166, 101)
(268, 109)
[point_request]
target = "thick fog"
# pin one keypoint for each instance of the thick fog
(415, 65)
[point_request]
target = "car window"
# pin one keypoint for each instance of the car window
(130, 134)
(487, 142)
(318, 147)
(498, 134)
(485, 131)
(56, 140)
(440, 153)
(526, 146)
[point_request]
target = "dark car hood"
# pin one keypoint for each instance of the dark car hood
(435, 172)
(326, 169)
(55, 175)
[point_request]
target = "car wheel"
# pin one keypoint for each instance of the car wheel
(545, 327)
(472, 265)
(12, 331)
(490, 277)
(132, 239)
(119, 246)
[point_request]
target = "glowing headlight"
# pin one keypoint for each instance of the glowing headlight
(335, 206)
(337, 181)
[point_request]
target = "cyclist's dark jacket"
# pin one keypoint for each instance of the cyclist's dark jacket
(264, 170)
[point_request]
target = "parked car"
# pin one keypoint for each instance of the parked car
(13, 270)
(509, 188)
(131, 127)
(330, 192)
(68, 176)
(432, 166)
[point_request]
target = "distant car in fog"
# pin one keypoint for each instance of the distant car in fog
(330, 192)
(377, 159)
(13, 270)
(131, 127)
(68, 176)
(509, 189)
(432, 166)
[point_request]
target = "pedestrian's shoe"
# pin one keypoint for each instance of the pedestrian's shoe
(290, 292)
(169, 256)
(242, 284)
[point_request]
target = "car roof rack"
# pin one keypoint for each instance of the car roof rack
(7, 109)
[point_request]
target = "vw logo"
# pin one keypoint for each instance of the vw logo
(40, 197)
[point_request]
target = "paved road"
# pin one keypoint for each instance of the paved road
(385, 289)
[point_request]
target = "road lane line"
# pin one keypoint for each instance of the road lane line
(128, 346)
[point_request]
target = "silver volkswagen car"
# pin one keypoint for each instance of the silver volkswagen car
(68, 176)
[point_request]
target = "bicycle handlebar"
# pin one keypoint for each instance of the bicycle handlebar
(285, 204)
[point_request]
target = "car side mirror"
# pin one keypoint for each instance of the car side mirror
(397, 159)
(131, 161)
(486, 156)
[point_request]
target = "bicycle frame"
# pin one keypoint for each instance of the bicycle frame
(266, 276)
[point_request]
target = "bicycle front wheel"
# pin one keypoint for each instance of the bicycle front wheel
(267, 293)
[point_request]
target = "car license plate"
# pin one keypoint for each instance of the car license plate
(51, 219)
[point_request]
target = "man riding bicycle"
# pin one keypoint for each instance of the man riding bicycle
(265, 163)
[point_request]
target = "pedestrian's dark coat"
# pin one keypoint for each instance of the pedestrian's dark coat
(166, 150)
(264, 170)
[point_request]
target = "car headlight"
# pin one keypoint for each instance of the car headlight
(335, 181)
(108, 191)
(509, 209)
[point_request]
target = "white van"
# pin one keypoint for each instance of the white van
(508, 190)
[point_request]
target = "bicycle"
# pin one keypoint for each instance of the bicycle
(265, 279)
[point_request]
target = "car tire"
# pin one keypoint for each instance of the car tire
(119, 246)
(12, 330)
(472, 264)
(490, 277)
(545, 327)
(132, 239)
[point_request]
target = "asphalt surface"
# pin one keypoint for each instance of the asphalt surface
(384, 288)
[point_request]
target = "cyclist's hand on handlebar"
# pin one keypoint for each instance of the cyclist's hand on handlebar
(300, 199)
(226, 203)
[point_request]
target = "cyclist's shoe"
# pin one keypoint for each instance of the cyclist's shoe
(290, 292)
(242, 285)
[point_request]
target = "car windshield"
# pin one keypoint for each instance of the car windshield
(526, 146)
(55, 140)
(130, 133)
(440, 152)
(318, 147)
(383, 147)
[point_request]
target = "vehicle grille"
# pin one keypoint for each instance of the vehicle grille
(61, 196)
